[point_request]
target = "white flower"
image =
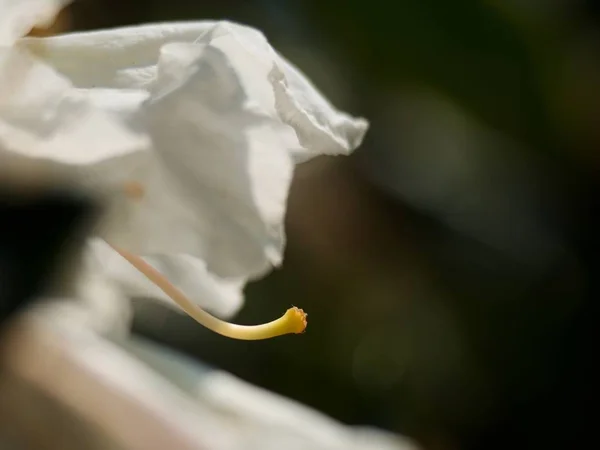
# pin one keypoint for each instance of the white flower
(216, 120)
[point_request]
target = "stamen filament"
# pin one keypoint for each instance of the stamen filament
(293, 321)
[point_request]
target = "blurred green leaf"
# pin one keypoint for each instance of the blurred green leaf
(465, 48)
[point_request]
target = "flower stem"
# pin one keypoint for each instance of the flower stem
(293, 321)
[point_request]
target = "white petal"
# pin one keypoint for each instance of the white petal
(281, 89)
(320, 127)
(144, 396)
(276, 422)
(125, 103)
(262, 419)
(219, 296)
(126, 58)
(225, 159)
(18, 17)
(43, 118)
(123, 58)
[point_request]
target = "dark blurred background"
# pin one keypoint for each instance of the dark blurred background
(450, 266)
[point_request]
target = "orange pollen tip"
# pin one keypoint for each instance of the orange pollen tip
(298, 318)
(134, 190)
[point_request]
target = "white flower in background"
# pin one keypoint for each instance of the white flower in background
(139, 395)
(190, 131)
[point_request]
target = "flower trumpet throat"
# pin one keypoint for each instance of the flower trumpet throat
(293, 321)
